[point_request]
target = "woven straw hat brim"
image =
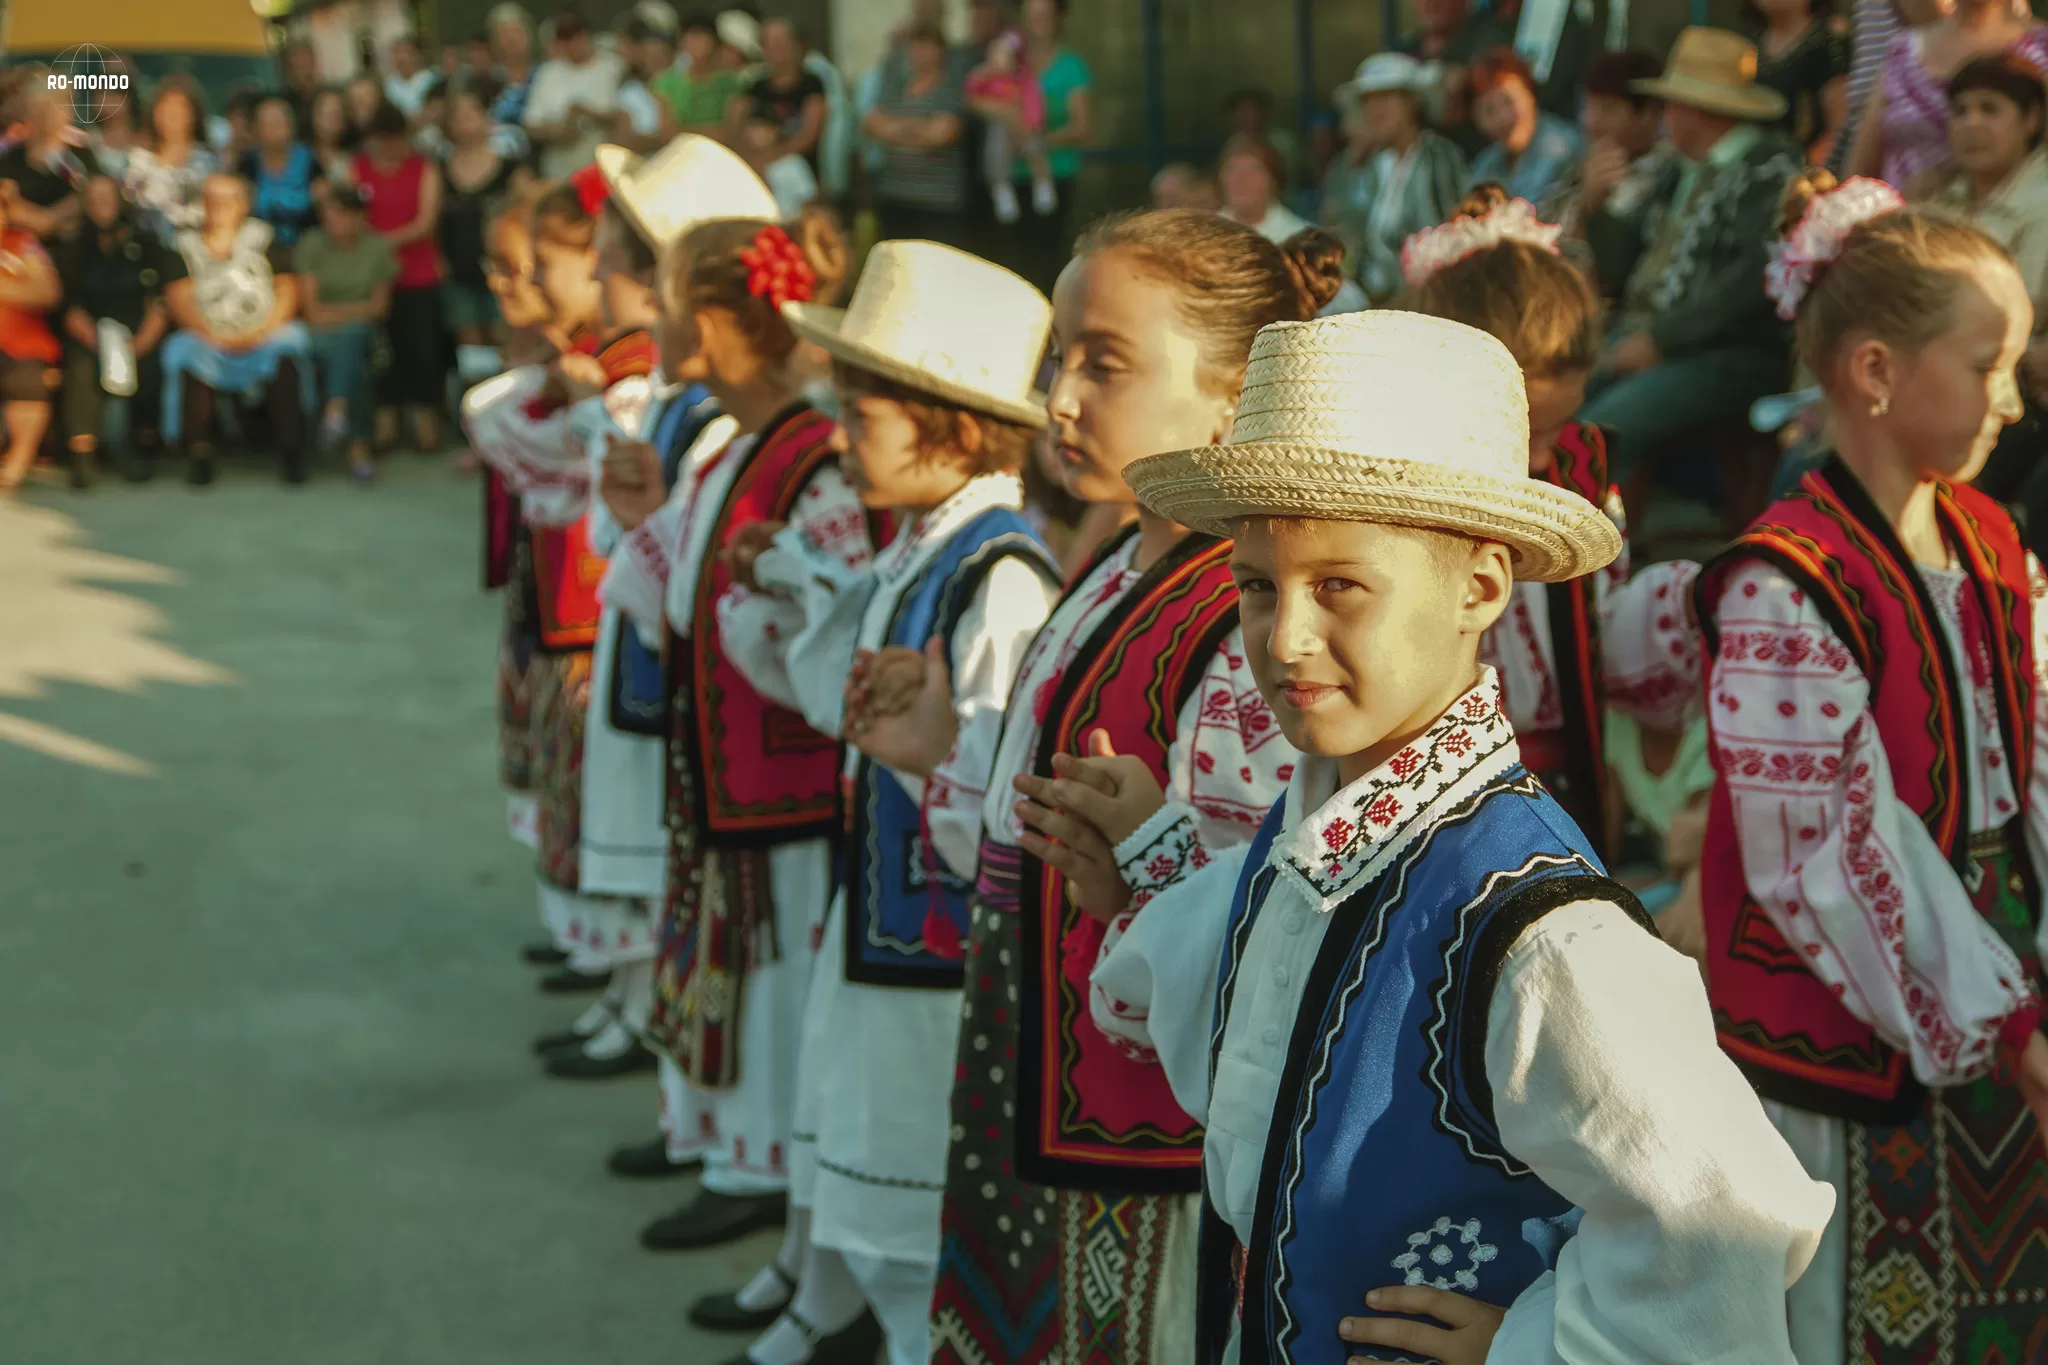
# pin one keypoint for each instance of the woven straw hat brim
(818, 323)
(1553, 534)
(618, 165)
(1757, 103)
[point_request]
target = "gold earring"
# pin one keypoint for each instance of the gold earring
(1881, 406)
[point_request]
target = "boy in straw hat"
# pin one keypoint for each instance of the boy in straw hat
(1696, 342)
(933, 362)
(1462, 1104)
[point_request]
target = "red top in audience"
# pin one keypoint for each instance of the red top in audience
(392, 200)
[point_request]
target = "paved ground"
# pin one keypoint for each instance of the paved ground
(264, 1086)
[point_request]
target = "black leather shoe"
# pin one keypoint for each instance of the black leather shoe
(548, 1044)
(199, 468)
(566, 981)
(649, 1161)
(543, 954)
(713, 1219)
(725, 1312)
(579, 1066)
(855, 1344)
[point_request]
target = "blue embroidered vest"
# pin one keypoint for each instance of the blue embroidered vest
(639, 691)
(1383, 1165)
(906, 913)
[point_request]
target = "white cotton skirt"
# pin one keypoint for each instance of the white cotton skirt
(624, 847)
(874, 1090)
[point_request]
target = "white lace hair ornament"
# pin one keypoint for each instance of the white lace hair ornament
(1817, 239)
(1431, 249)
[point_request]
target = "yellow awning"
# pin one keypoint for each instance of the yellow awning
(223, 26)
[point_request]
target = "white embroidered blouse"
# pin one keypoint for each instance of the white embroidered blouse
(1847, 872)
(653, 576)
(1606, 1077)
(546, 461)
(1226, 766)
(803, 639)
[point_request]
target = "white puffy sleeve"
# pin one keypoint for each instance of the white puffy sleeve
(617, 414)
(1153, 991)
(1652, 663)
(1847, 872)
(1608, 1084)
(987, 651)
(2037, 780)
(636, 576)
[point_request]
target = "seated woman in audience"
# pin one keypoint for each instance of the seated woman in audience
(1251, 176)
(1529, 149)
(2001, 184)
(1394, 176)
(402, 197)
(28, 291)
(166, 170)
(345, 275)
(1902, 134)
(282, 169)
(235, 301)
(114, 319)
(364, 95)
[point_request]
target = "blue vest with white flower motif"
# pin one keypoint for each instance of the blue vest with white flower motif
(906, 913)
(1383, 1164)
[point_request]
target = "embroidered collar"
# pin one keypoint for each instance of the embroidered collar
(910, 551)
(1343, 840)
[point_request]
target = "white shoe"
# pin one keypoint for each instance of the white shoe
(1007, 210)
(1045, 200)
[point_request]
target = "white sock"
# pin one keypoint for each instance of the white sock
(828, 1299)
(611, 1041)
(768, 1289)
(592, 1021)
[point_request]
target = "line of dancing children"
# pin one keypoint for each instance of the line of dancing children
(1212, 957)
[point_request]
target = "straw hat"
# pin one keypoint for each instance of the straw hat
(944, 323)
(1714, 70)
(1384, 71)
(690, 181)
(1390, 417)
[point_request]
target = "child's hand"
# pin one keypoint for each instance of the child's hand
(1113, 792)
(630, 482)
(747, 545)
(892, 679)
(581, 376)
(1683, 922)
(1464, 1339)
(1686, 840)
(915, 739)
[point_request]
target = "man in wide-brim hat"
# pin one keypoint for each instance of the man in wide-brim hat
(1417, 974)
(1695, 341)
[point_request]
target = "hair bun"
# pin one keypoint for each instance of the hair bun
(817, 231)
(1800, 192)
(1482, 199)
(1315, 261)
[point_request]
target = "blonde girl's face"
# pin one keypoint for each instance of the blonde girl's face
(566, 275)
(1129, 378)
(1950, 401)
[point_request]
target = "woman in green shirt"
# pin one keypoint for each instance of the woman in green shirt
(699, 95)
(1037, 246)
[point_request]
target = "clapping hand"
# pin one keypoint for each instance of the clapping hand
(748, 544)
(576, 376)
(1469, 1326)
(1602, 170)
(630, 482)
(899, 711)
(1077, 817)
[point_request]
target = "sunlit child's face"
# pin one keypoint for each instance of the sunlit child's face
(882, 455)
(1361, 633)
(1951, 400)
(1553, 403)
(565, 271)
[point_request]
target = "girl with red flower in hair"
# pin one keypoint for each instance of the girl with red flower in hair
(753, 799)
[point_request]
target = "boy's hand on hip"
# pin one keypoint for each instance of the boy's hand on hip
(1466, 1335)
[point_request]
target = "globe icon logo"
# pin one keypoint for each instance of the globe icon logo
(94, 79)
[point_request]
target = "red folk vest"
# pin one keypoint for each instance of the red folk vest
(1577, 773)
(764, 776)
(566, 571)
(1788, 1032)
(1092, 1117)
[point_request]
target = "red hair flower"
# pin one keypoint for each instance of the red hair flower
(778, 270)
(591, 188)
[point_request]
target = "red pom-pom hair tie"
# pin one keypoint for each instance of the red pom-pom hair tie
(591, 189)
(778, 270)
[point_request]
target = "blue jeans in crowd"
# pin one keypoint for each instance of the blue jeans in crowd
(342, 354)
(1653, 413)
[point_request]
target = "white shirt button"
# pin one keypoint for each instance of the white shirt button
(1294, 921)
(1280, 977)
(1271, 1036)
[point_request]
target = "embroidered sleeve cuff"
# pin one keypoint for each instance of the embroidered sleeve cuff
(1164, 849)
